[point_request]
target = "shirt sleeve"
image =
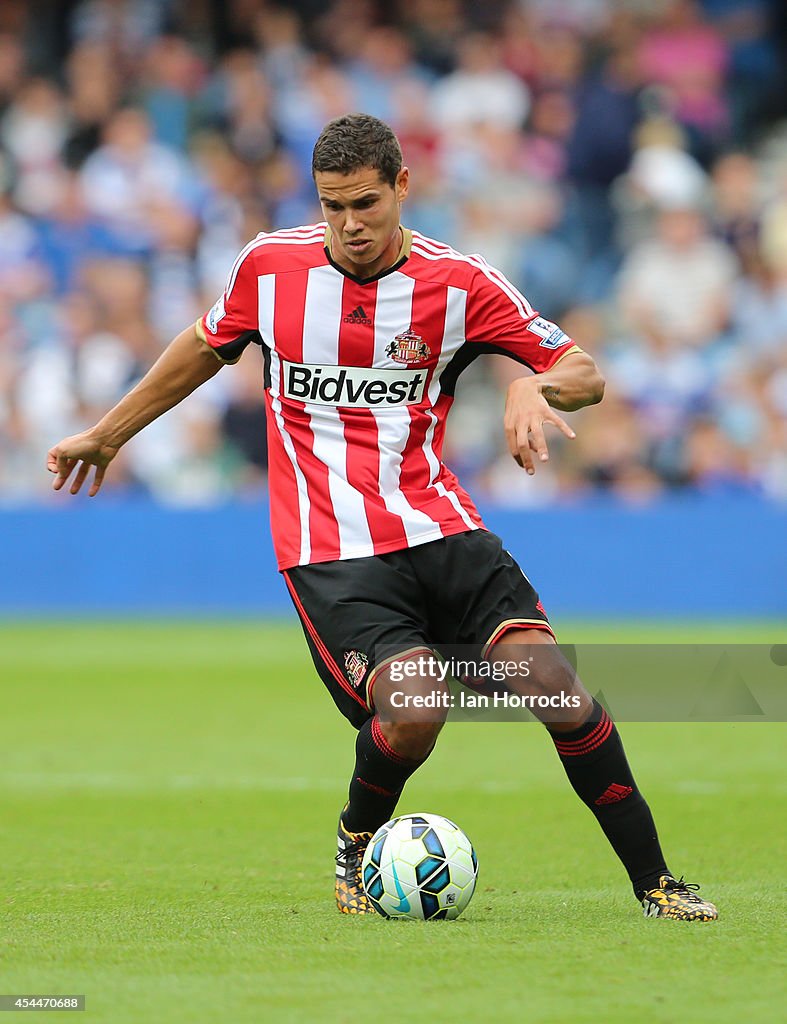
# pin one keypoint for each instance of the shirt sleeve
(232, 322)
(500, 318)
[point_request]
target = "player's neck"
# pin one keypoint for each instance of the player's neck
(393, 254)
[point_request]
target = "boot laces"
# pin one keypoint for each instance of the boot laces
(686, 889)
(352, 852)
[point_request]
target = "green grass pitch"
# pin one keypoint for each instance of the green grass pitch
(168, 803)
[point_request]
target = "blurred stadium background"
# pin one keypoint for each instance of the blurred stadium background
(624, 162)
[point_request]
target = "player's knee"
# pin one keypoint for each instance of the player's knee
(548, 671)
(551, 681)
(411, 711)
(413, 740)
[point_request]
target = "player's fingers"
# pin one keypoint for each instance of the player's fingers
(98, 480)
(511, 440)
(511, 437)
(79, 479)
(64, 468)
(561, 424)
(538, 443)
(525, 459)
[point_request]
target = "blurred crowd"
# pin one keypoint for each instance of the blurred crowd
(623, 162)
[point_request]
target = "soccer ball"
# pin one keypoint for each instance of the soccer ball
(420, 866)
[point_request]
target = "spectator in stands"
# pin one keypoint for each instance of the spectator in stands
(69, 236)
(243, 420)
(675, 288)
(384, 69)
(32, 133)
(94, 91)
(127, 26)
(23, 273)
(173, 75)
(687, 58)
(123, 176)
(481, 90)
(599, 150)
(737, 206)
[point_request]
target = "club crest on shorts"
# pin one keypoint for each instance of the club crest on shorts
(356, 664)
(408, 347)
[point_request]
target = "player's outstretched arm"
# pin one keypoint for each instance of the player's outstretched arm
(531, 402)
(185, 364)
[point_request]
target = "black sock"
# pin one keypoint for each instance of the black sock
(378, 780)
(596, 765)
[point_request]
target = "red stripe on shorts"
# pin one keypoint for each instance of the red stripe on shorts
(325, 654)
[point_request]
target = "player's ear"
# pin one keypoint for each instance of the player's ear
(402, 184)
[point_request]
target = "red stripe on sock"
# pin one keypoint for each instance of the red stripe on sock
(569, 745)
(600, 740)
(383, 745)
(590, 737)
(594, 739)
(377, 789)
(575, 749)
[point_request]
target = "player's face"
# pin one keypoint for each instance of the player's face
(363, 214)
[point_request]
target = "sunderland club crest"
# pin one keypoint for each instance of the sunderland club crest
(356, 664)
(408, 347)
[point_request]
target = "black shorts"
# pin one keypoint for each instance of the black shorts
(464, 589)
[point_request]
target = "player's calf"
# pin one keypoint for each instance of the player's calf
(411, 740)
(411, 708)
(389, 748)
(378, 779)
(591, 751)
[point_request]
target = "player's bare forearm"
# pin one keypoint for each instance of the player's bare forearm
(186, 363)
(183, 366)
(531, 403)
(574, 383)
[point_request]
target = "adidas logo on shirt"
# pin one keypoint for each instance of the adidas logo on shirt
(358, 316)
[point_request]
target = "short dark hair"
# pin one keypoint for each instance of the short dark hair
(355, 141)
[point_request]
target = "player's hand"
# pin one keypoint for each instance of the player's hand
(526, 413)
(83, 451)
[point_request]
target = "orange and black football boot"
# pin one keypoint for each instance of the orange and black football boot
(350, 895)
(677, 899)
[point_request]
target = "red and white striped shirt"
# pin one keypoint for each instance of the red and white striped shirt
(359, 379)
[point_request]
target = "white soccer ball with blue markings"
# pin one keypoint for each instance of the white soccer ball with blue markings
(420, 866)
